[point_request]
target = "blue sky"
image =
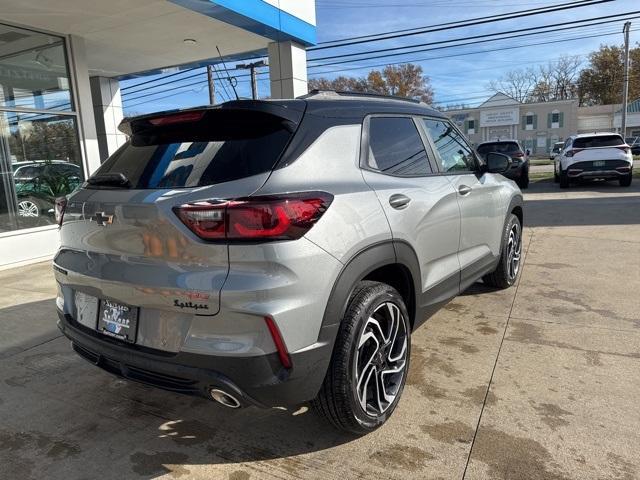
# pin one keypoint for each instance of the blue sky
(458, 74)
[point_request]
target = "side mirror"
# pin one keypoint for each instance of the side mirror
(497, 162)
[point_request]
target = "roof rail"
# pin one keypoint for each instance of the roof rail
(342, 93)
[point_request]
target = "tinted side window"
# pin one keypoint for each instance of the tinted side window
(454, 153)
(396, 148)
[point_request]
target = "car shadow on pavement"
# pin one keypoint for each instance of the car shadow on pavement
(55, 401)
(592, 204)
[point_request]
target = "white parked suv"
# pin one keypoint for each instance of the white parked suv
(594, 156)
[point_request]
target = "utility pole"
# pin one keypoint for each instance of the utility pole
(254, 78)
(212, 86)
(625, 87)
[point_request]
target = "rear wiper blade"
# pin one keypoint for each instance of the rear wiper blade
(110, 180)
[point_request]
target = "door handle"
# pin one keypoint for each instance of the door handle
(464, 190)
(399, 201)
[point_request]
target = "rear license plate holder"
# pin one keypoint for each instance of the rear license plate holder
(118, 321)
(599, 163)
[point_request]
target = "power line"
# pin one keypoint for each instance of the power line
(161, 84)
(406, 53)
(381, 56)
(453, 25)
(451, 55)
(161, 78)
(487, 36)
(387, 63)
(224, 87)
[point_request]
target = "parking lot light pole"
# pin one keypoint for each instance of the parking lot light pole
(625, 83)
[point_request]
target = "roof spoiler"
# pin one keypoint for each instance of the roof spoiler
(290, 112)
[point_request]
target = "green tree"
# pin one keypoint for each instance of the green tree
(601, 82)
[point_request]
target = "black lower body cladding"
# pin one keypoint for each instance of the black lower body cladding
(257, 380)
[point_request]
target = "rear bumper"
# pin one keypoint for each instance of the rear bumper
(255, 380)
(605, 169)
(577, 173)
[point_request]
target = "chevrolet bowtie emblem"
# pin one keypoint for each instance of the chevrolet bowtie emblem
(102, 219)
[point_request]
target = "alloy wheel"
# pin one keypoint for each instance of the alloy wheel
(514, 251)
(27, 208)
(381, 359)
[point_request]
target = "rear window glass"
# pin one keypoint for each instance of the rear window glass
(199, 155)
(503, 147)
(599, 141)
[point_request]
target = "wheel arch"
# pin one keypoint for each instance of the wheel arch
(393, 258)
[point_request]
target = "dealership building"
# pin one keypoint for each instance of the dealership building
(60, 103)
(537, 126)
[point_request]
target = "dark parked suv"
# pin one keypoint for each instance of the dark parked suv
(274, 252)
(519, 169)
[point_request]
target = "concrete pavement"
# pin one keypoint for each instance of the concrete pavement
(537, 382)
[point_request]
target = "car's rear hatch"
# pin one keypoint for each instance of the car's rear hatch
(508, 148)
(120, 237)
(606, 150)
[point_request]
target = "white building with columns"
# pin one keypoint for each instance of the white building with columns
(60, 102)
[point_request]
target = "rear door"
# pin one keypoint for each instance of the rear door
(478, 196)
(420, 205)
(120, 237)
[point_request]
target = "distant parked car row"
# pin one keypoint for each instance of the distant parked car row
(603, 156)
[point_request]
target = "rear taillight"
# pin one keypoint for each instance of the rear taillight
(60, 204)
(282, 217)
(518, 155)
(624, 148)
(572, 152)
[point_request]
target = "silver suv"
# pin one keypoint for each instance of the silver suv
(275, 252)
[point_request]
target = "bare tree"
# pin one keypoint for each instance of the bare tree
(555, 81)
(563, 74)
(518, 84)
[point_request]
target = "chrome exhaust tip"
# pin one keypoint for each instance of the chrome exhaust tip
(224, 398)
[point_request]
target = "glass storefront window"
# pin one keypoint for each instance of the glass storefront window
(33, 71)
(40, 156)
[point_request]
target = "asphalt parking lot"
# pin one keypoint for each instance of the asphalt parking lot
(537, 382)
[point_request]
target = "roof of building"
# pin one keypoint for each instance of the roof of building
(499, 99)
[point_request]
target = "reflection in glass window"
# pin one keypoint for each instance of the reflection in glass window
(454, 153)
(39, 152)
(39, 161)
(395, 147)
(33, 70)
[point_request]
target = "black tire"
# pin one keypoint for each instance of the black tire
(338, 399)
(564, 179)
(503, 276)
(626, 180)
